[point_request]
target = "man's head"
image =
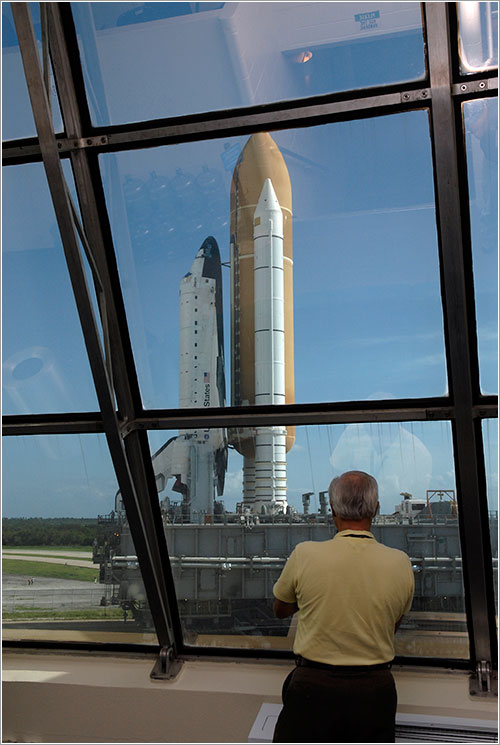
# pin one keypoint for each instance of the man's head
(354, 496)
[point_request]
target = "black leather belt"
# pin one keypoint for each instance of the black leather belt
(303, 662)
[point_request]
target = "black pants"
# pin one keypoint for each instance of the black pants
(331, 706)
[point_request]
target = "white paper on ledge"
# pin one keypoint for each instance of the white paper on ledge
(265, 722)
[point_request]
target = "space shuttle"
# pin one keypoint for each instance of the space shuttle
(262, 364)
(197, 458)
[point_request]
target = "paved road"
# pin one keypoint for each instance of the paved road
(47, 552)
(49, 593)
(19, 582)
(50, 560)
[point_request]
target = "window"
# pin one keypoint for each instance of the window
(17, 117)
(481, 132)
(352, 345)
(64, 556)
(227, 553)
(303, 49)
(478, 25)
(362, 299)
(45, 365)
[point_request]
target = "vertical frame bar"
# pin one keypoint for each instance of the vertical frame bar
(131, 460)
(458, 298)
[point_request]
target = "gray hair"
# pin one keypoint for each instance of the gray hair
(354, 495)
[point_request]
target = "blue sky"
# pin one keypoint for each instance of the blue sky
(367, 306)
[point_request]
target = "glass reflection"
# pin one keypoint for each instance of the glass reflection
(45, 365)
(481, 132)
(478, 29)
(17, 116)
(360, 298)
(251, 52)
(60, 565)
(228, 547)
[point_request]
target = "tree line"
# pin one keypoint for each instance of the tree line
(37, 531)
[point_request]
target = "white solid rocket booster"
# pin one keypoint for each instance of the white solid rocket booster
(270, 442)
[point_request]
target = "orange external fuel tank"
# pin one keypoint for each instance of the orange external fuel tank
(260, 159)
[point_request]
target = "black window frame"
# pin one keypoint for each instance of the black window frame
(123, 419)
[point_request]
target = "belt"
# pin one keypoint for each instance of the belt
(303, 662)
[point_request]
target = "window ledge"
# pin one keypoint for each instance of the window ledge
(75, 698)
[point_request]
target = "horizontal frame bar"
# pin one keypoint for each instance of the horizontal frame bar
(82, 423)
(189, 653)
(223, 654)
(114, 648)
(278, 417)
(236, 654)
(52, 424)
(226, 123)
(482, 86)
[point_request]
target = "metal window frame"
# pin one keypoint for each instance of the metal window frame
(112, 368)
(452, 200)
(122, 417)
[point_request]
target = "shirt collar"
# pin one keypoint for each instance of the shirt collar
(348, 532)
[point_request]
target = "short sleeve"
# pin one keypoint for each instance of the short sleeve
(284, 589)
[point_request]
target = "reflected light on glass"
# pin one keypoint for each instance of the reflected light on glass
(33, 373)
(477, 46)
(302, 57)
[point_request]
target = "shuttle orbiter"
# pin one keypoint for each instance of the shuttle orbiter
(197, 458)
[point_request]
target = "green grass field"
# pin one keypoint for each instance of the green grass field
(42, 569)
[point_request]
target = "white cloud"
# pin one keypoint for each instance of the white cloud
(426, 360)
(398, 460)
(487, 333)
(374, 341)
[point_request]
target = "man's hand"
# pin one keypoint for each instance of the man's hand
(283, 610)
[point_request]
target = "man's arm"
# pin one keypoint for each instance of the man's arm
(411, 589)
(283, 610)
(285, 588)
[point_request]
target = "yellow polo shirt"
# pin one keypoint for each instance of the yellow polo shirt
(351, 591)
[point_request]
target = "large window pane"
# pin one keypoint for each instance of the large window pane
(481, 132)
(45, 365)
(61, 567)
(210, 56)
(362, 303)
(227, 552)
(478, 34)
(17, 116)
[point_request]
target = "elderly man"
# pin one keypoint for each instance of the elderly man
(351, 593)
